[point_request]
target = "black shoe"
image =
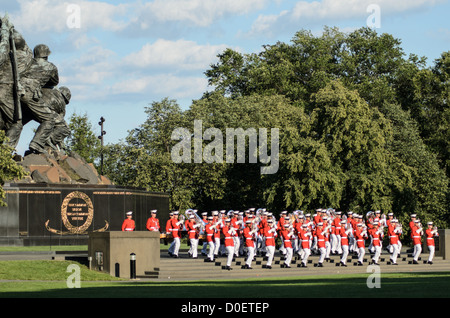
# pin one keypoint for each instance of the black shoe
(415, 262)
(320, 265)
(342, 264)
(268, 266)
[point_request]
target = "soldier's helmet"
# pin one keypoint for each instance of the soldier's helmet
(65, 93)
(41, 50)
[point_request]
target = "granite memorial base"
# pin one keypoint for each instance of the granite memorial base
(113, 253)
(58, 214)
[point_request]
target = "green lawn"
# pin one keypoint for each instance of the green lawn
(47, 279)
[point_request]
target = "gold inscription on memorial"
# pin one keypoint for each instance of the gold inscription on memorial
(77, 212)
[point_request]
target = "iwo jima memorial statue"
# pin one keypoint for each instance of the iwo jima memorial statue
(62, 198)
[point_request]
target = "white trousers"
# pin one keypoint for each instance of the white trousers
(361, 253)
(417, 251)
(230, 250)
(251, 254)
(323, 252)
(344, 254)
(377, 253)
(175, 246)
(270, 253)
(304, 255)
(211, 250)
(216, 245)
(431, 248)
(194, 247)
(395, 251)
(237, 243)
(288, 259)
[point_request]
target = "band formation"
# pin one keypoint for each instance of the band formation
(256, 232)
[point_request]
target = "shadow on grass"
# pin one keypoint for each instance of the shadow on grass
(420, 285)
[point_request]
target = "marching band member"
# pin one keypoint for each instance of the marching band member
(229, 233)
(320, 231)
(193, 232)
(375, 233)
(280, 228)
(210, 230)
(412, 223)
(249, 235)
(305, 237)
(175, 227)
(262, 225)
(287, 233)
(128, 224)
(219, 224)
(335, 232)
(393, 233)
(360, 235)
(430, 233)
(153, 222)
(235, 223)
(205, 243)
(417, 233)
(327, 234)
(351, 224)
(343, 234)
(298, 227)
(269, 233)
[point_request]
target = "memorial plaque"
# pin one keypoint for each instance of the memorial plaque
(43, 214)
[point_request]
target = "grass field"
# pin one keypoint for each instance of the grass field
(48, 279)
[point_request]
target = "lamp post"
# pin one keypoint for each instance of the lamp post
(102, 133)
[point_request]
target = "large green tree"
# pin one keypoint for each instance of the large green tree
(361, 127)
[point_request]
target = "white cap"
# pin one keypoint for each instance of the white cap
(153, 211)
(129, 213)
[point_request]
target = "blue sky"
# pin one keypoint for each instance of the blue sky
(117, 57)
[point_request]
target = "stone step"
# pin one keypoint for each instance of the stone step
(197, 269)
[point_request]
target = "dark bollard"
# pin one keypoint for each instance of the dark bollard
(133, 266)
(117, 269)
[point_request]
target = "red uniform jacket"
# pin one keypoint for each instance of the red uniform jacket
(375, 237)
(360, 236)
(228, 236)
(417, 237)
(153, 224)
(320, 238)
(304, 237)
(209, 233)
(286, 238)
(192, 231)
(249, 238)
(393, 237)
(430, 237)
(174, 228)
(344, 237)
(128, 225)
(270, 236)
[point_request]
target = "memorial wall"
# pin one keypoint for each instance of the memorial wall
(59, 214)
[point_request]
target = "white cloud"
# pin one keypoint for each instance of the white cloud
(200, 12)
(162, 85)
(180, 54)
(53, 15)
(333, 11)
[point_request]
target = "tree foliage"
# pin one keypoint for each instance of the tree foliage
(361, 127)
(9, 169)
